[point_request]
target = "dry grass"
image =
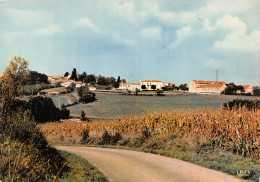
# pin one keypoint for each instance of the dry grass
(236, 130)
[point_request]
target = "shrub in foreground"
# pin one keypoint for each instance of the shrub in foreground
(25, 153)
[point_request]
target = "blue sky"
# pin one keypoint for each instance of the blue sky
(175, 41)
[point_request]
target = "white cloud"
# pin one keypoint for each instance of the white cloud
(124, 41)
(240, 43)
(153, 33)
(231, 24)
(88, 23)
(51, 29)
(182, 34)
(26, 17)
(221, 7)
(236, 39)
(172, 18)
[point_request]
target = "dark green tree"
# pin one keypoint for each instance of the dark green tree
(74, 75)
(66, 74)
(101, 80)
(90, 79)
(183, 87)
(116, 85)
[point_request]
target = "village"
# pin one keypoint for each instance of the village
(194, 86)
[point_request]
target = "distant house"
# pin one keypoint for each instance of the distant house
(151, 84)
(130, 86)
(143, 85)
(248, 89)
(168, 84)
(55, 78)
(202, 86)
(91, 88)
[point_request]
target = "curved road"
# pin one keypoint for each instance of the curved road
(125, 166)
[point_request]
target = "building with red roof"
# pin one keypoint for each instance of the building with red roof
(203, 86)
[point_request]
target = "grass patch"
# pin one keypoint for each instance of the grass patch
(80, 170)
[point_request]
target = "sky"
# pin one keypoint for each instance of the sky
(171, 40)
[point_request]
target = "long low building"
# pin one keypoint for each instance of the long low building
(144, 85)
(202, 86)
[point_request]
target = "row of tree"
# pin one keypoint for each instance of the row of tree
(92, 79)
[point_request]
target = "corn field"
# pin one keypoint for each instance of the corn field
(233, 130)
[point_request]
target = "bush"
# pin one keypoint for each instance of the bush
(85, 135)
(83, 116)
(25, 153)
(86, 95)
(43, 109)
(106, 137)
(115, 138)
(239, 103)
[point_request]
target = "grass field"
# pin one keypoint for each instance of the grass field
(80, 170)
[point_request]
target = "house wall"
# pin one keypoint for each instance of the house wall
(148, 85)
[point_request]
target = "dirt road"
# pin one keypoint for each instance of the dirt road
(125, 166)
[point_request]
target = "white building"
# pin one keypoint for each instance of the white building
(130, 86)
(143, 85)
(202, 86)
(151, 84)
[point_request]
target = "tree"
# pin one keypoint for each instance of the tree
(90, 79)
(82, 76)
(101, 80)
(86, 95)
(136, 91)
(116, 85)
(111, 81)
(74, 75)
(183, 87)
(83, 116)
(159, 92)
(12, 82)
(66, 74)
(123, 80)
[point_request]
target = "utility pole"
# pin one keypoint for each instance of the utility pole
(216, 79)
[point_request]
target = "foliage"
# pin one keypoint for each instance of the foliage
(82, 76)
(90, 79)
(101, 80)
(83, 116)
(256, 91)
(86, 95)
(74, 75)
(80, 170)
(233, 89)
(236, 131)
(66, 74)
(85, 135)
(25, 153)
(12, 82)
(239, 103)
(159, 92)
(36, 78)
(123, 81)
(39, 106)
(136, 91)
(183, 87)
(117, 83)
